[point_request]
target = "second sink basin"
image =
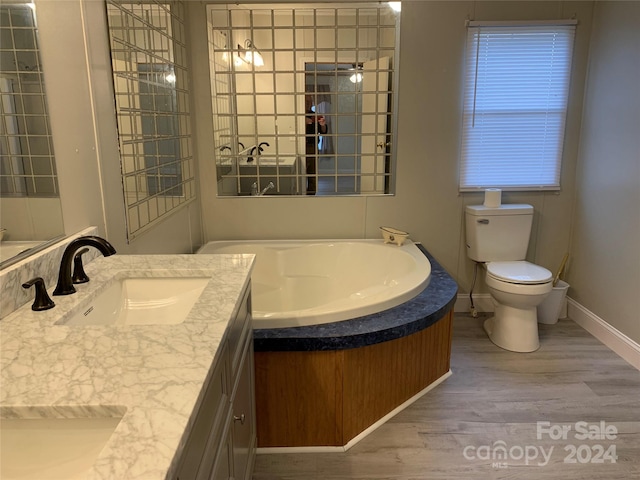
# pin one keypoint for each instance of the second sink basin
(141, 301)
(52, 448)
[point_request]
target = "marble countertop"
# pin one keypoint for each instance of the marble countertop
(154, 374)
(423, 310)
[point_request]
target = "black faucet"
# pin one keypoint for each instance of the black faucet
(65, 282)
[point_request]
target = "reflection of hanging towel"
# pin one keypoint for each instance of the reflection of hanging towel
(325, 142)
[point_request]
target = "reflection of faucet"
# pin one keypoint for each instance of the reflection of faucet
(258, 149)
(225, 147)
(254, 189)
(267, 188)
(253, 149)
(65, 282)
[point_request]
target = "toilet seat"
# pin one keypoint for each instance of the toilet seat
(518, 272)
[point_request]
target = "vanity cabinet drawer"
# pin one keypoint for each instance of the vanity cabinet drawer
(239, 329)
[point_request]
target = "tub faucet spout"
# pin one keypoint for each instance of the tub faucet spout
(254, 189)
(267, 188)
(65, 281)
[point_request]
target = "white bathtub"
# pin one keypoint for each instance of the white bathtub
(297, 282)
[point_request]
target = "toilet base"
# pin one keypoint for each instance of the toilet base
(513, 329)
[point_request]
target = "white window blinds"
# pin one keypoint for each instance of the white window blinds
(515, 102)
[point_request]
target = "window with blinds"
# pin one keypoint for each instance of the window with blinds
(515, 104)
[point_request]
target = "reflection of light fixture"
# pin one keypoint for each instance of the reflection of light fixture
(395, 6)
(170, 77)
(357, 76)
(250, 53)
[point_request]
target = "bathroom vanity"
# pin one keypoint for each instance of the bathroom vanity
(170, 400)
(222, 442)
(282, 171)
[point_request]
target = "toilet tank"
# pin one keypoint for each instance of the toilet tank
(498, 233)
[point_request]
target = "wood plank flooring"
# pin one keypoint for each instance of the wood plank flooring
(495, 398)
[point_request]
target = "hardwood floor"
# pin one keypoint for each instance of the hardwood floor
(496, 398)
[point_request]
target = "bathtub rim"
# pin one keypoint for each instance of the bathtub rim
(427, 308)
(326, 315)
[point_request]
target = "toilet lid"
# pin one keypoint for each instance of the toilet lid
(518, 272)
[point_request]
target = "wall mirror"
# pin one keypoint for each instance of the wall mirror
(151, 85)
(303, 98)
(31, 213)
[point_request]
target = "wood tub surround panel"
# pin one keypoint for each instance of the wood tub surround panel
(300, 398)
(378, 378)
(326, 398)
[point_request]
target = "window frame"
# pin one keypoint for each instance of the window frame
(497, 138)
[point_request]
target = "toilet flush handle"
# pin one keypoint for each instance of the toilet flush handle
(484, 221)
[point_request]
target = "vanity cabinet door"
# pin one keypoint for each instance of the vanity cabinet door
(222, 469)
(244, 418)
(200, 450)
(222, 442)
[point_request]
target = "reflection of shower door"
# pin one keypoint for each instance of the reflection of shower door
(375, 105)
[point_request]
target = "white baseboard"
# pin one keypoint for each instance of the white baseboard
(611, 337)
(481, 301)
(362, 434)
(617, 341)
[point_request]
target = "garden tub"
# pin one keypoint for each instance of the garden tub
(311, 282)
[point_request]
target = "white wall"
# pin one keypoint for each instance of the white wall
(427, 203)
(604, 270)
(61, 36)
(31, 218)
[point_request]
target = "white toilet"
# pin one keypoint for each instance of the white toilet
(498, 237)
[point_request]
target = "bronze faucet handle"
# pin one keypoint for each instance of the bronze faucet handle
(42, 300)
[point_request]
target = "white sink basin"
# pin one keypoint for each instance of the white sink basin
(141, 301)
(52, 448)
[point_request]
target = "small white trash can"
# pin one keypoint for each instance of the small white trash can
(550, 308)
